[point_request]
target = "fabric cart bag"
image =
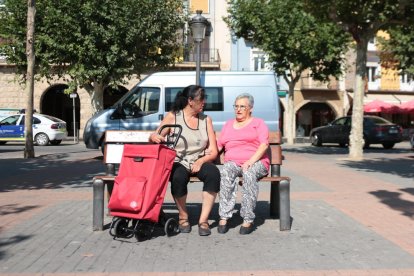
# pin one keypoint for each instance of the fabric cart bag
(142, 181)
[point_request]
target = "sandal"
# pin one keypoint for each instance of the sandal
(184, 226)
(204, 229)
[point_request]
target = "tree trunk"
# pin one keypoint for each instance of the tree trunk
(356, 138)
(290, 118)
(96, 92)
(28, 123)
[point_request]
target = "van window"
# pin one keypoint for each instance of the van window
(214, 98)
(143, 101)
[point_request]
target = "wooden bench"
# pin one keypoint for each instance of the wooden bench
(115, 140)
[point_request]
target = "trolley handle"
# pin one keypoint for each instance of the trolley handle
(172, 138)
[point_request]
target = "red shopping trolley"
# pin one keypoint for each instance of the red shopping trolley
(140, 186)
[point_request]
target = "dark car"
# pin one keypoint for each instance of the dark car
(377, 130)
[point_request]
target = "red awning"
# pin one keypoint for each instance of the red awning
(380, 106)
(407, 106)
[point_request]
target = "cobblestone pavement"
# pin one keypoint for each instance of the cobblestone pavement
(348, 218)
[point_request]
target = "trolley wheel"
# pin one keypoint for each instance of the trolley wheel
(121, 230)
(143, 231)
(171, 227)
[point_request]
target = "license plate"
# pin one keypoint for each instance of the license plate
(393, 131)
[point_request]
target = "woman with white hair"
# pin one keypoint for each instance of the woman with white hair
(245, 141)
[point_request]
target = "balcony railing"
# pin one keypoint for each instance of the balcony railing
(209, 57)
(309, 83)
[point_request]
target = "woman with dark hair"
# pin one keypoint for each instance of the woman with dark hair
(197, 136)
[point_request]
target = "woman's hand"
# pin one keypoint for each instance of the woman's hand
(156, 138)
(246, 165)
(195, 168)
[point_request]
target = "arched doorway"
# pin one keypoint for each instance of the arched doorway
(312, 115)
(60, 105)
(112, 95)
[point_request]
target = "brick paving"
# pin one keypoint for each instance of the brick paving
(348, 218)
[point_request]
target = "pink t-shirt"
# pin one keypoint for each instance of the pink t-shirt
(240, 144)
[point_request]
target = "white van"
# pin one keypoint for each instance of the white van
(145, 105)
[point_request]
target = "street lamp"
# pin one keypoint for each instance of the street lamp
(198, 26)
(75, 136)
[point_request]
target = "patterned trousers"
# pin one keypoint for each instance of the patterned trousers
(250, 189)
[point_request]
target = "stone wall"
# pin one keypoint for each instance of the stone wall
(13, 95)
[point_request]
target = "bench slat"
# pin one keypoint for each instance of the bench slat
(195, 179)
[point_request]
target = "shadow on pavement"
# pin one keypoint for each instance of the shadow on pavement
(395, 202)
(15, 209)
(10, 150)
(408, 190)
(11, 240)
(333, 149)
(48, 173)
(399, 166)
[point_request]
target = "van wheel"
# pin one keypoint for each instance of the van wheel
(41, 139)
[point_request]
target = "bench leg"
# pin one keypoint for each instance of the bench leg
(98, 204)
(274, 199)
(110, 169)
(284, 205)
(274, 192)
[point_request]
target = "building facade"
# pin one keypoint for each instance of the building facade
(49, 96)
(315, 103)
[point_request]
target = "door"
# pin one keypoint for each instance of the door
(141, 109)
(12, 128)
(337, 131)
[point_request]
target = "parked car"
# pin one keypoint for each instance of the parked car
(45, 129)
(412, 141)
(377, 130)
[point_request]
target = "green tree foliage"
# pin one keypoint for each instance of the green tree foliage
(95, 43)
(398, 50)
(294, 40)
(362, 19)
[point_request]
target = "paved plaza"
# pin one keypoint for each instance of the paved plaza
(348, 218)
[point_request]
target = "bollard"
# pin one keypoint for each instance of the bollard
(98, 204)
(284, 205)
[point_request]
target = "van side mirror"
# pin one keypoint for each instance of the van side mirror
(118, 113)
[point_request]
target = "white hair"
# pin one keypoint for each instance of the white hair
(246, 96)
